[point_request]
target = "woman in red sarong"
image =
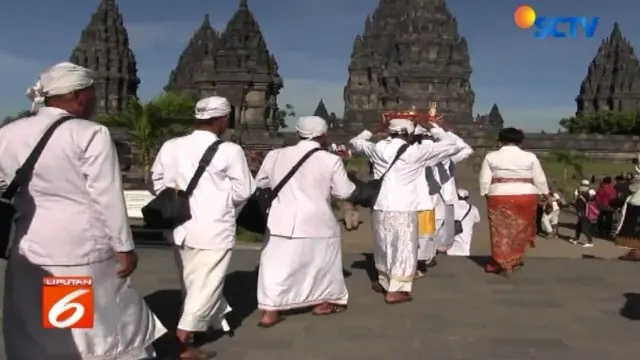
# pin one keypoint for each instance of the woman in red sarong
(511, 179)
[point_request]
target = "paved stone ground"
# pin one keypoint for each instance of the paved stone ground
(553, 309)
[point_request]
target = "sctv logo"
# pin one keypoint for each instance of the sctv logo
(525, 17)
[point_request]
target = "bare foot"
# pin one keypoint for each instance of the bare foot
(269, 319)
(328, 309)
(191, 353)
(397, 297)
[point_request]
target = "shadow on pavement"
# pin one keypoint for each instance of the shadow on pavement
(240, 292)
(481, 261)
(166, 304)
(367, 264)
(631, 308)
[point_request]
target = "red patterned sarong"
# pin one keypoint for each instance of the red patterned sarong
(512, 221)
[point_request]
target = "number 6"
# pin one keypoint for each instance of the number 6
(65, 304)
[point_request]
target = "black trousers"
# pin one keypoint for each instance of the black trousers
(584, 226)
(605, 223)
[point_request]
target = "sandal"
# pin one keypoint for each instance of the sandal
(334, 309)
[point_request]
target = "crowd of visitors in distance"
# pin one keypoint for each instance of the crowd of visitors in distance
(598, 204)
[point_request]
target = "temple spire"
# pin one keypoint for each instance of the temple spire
(200, 51)
(399, 62)
(616, 34)
(321, 111)
(612, 82)
(104, 48)
(244, 4)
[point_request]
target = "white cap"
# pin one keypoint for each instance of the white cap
(60, 79)
(309, 127)
(462, 193)
(399, 125)
(212, 107)
(585, 182)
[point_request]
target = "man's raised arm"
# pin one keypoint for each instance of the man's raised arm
(361, 143)
(464, 153)
(432, 153)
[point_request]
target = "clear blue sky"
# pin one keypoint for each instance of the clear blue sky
(533, 81)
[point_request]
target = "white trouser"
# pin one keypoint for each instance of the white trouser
(202, 274)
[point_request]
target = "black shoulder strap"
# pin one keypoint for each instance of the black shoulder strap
(401, 151)
(291, 172)
(23, 174)
(205, 160)
(467, 213)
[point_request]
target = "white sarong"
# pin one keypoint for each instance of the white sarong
(395, 249)
(427, 248)
(300, 272)
(124, 327)
(202, 274)
(445, 230)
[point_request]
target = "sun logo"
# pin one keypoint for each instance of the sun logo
(524, 16)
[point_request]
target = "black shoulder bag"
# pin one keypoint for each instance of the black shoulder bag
(21, 179)
(457, 224)
(171, 208)
(255, 213)
(366, 193)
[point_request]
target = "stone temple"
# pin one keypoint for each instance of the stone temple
(104, 48)
(613, 80)
(235, 64)
(428, 61)
(409, 54)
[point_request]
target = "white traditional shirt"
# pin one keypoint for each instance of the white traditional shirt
(73, 210)
(220, 194)
(448, 193)
(425, 201)
(511, 162)
(462, 244)
(399, 188)
(303, 206)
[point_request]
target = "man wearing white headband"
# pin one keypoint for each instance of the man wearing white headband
(441, 187)
(72, 223)
(301, 262)
(467, 215)
(394, 216)
(203, 244)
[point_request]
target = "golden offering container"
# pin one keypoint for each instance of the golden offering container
(405, 114)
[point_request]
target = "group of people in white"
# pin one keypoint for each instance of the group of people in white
(73, 220)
